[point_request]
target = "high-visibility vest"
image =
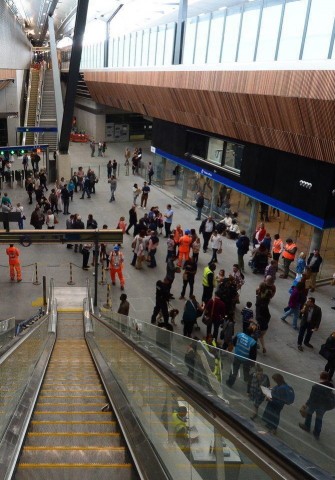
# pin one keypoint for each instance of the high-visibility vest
(115, 260)
(207, 271)
(178, 423)
(13, 255)
(277, 246)
(243, 345)
(288, 255)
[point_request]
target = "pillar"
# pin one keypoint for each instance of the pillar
(316, 240)
(253, 218)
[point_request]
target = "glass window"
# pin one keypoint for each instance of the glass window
(250, 21)
(202, 39)
(126, 50)
(197, 145)
(233, 156)
(215, 36)
(139, 40)
(121, 49)
(189, 41)
(152, 46)
(319, 30)
(132, 49)
(145, 47)
(160, 45)
(269, 32)
(169, 43)
(231, 34)
(115, 52)
(215, 150)
(293, 27)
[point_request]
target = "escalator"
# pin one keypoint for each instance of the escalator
(69, 436)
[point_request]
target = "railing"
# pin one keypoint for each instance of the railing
(211, 368)
(39, 99)
(7, 330)
(25, 124)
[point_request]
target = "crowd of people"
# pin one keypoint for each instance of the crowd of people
(154, 229)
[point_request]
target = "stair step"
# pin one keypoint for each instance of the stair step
(43, 399)
(68, 407)
(74, 439)
(75, 472)
(71, 455)
(90, 426)
(72, 416)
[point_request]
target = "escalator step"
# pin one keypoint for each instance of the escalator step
(72, 416)
(42, 399)
(71, 455)
(75, 472)
(68, 407)
(74, 439)
(73, 427)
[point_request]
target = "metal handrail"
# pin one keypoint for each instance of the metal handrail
(39, 100)
(25, 124)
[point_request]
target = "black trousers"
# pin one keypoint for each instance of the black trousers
(160, 306)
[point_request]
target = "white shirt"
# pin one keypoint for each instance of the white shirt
(216, 241)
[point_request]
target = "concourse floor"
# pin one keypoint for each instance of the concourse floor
(21, 300)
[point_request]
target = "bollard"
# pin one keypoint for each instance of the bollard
(108, 303)
(71, 282)
(36, 282)
(103, 275)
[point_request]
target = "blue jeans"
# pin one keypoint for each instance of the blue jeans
(319, 413)
(295, 312)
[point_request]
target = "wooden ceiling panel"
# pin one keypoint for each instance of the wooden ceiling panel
(293, 111)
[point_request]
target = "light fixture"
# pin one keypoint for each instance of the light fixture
(305, 184)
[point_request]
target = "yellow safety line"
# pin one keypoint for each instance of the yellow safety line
(72, 413)
(70, 309)
(78, 434)
(114, 449)
(74, 465)
(67, 403)
(72, 396)
(73, 422)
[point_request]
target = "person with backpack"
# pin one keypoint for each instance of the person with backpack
(242, 245)
(321, 399)
(280, 395)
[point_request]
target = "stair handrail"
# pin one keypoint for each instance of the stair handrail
(39, 99)
(25, 124)
(52, 307)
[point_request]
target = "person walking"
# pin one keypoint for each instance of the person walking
(124, 305)
(168, 215)
(263, 297)
(50, 220)
(162, 298)
(65, 194)
(216, 243)
(329, 354)
(150, 172)
(295, 303)
(207, 227)
(86, 187)
(245, 350)
(185, 242)
(190, 270)
(109, 169)
(208, 282)
(199, 203)
(192, 310)
(310, 322)
(314, 262)
(113, 185)
(242, 245)
(281, 394)
(116, 263)
(86, 255)
(145, 194)
(132, 218)
(152, 249)
(14, 263)
(288, 255)
(92, 147)
(215, 311)
(136, 192)
(321, 399)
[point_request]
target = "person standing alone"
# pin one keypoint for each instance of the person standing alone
(14, 262)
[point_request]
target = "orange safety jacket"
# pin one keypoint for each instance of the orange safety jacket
(185, 243)
(277, 246)
(291, 253)
(13, 254)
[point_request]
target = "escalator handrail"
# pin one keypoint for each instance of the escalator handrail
(266, 448)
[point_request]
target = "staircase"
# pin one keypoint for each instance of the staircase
(48, 116)
(69, 436)
(32, 105)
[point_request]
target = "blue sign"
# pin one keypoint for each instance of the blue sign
(36, 129)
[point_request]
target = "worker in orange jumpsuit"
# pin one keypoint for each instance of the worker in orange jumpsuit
(116, 262)
(184, 247)
(177, 233)
(14, 263)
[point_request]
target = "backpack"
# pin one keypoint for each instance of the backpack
(289, 395)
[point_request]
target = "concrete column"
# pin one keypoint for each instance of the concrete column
(64, 166)
(316, 239)
(253, 218)
(180, 33)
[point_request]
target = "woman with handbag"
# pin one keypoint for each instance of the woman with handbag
(214, 313)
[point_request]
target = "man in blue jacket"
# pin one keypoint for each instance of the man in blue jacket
(245, 350)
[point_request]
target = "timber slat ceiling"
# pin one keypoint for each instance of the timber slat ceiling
(293, 111)
(6, 74)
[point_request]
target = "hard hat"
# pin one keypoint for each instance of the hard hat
(187, 232)
(116, 248)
